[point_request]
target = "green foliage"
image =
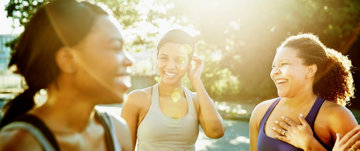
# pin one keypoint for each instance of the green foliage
(237, 39)
(22, 10)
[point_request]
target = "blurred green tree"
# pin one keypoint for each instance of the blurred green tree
(237, 39)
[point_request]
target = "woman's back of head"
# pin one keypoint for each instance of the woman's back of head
(333, 79)
(59, 23)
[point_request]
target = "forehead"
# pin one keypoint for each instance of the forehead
(107, 28)
(286, 53)
(175, 49)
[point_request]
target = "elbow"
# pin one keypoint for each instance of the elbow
(217, 132)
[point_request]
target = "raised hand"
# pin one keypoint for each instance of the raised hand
(195, 69)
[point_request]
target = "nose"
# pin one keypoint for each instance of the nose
(171, 64)
(274, 71)
(128, 59)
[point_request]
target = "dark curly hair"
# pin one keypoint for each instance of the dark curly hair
(333, 79)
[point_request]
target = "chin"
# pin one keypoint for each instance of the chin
(282, 94)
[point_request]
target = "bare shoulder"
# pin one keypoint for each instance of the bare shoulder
(18, 139)
(333, 112)
(335, 118)
(139, 94)
(263, 106)
(259, 110)
(139, 97)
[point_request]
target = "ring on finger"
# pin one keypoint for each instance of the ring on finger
(352, 149)
(283, 132)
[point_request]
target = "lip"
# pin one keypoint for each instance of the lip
(170, 73)
(125, 79)
(280, 81)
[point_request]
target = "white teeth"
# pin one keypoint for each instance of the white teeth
(126, 80)
(170, 74)
(280, 81)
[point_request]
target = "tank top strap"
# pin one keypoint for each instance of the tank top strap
(110, 130)
(155, 97)
(268, 112)
(310, 118)
(38, 129)
(189, 99)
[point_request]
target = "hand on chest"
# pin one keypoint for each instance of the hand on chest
(279, 112)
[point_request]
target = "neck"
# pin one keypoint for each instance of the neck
(66, 111)
(168, 90)
(301, 98)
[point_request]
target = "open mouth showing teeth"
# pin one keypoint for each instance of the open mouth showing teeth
(170, 74)
(280, 81)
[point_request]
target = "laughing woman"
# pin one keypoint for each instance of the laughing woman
(312, 81)
(75, 51)
(166, 116)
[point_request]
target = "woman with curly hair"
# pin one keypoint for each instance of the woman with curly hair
(313, 83)
(298, 132)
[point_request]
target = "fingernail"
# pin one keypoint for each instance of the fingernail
(274, 128)
(276, 122)
(337, 135)
(301, 115)
(282, 117)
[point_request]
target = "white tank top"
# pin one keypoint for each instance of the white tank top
(158, 132)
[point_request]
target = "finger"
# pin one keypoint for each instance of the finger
(289, 121)
(195, 58)
(302, 120)
(338, 138)
(282, 125)
(282, 138)
(356, 146)
(353, 139)
(279, 131)
(352, 136)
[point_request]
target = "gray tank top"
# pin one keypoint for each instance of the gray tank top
(158, 132)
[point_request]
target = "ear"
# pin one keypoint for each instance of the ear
(65, 60)
(311, 70)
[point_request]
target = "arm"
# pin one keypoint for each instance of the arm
(130, 113)
(254, 130)
(210, 120)
(17, 140)
(123, 134)
(254, 124)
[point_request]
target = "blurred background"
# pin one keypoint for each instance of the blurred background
(236, 38)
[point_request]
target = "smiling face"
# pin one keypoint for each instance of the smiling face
(173, 62)
(102, 64)
(289, 72)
